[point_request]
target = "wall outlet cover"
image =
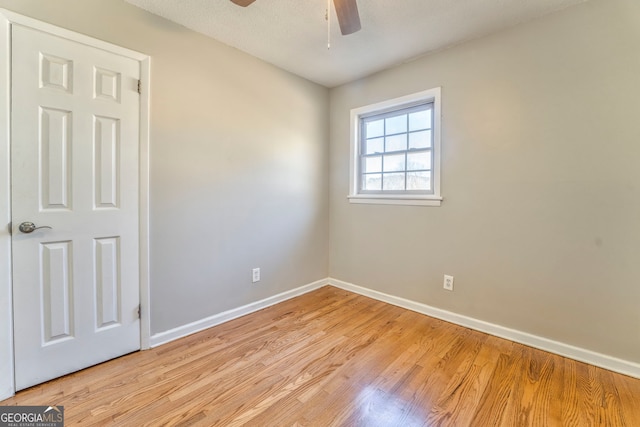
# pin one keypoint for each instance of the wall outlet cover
(448, 282)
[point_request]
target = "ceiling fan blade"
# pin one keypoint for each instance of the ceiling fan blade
(348, 17)
(243, 3)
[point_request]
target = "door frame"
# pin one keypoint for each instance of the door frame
(7, 19)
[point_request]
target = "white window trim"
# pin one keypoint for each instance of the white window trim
(435, 199)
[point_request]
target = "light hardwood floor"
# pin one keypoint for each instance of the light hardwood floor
(333, 358)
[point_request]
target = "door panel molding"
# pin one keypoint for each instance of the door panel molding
(57, 291)
(7, 20)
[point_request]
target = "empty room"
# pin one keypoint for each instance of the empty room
(320, 213)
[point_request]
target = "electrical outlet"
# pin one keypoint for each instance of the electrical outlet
(448, 282)
(256, 275)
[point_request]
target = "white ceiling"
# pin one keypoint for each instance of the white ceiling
(292, 34)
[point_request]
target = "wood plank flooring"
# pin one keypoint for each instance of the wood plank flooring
(334, 358)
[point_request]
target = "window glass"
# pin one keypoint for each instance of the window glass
(404, 137)
(397, 124)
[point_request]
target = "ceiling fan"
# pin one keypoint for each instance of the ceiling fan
(347, 11)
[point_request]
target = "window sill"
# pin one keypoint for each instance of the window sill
(374, 199)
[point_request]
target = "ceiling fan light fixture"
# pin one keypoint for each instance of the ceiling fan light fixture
(347, 11)
(243, 3)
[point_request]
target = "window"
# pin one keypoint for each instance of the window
(395, 151)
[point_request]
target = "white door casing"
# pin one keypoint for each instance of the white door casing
(78, 173)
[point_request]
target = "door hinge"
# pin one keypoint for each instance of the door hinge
(139, 310)
(140, 86)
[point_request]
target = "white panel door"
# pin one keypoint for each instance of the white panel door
(74, 157)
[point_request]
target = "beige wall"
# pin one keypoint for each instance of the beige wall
(540, 223)
(238, 163)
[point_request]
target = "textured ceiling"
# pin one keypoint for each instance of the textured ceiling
(292, 34)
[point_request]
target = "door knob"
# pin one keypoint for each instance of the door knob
(29, 227)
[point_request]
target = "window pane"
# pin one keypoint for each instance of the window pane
(372, 182)
(420, 120)
(420, 139)
(393, 182)
(419, 161)
(373, 146)
(397, 124)
(396, 143)
(394, 163)
(419, 181)
(375, 128)
(372, 164)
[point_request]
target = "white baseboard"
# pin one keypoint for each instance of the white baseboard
(611, 363)
(200, 325)
(614, 364)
